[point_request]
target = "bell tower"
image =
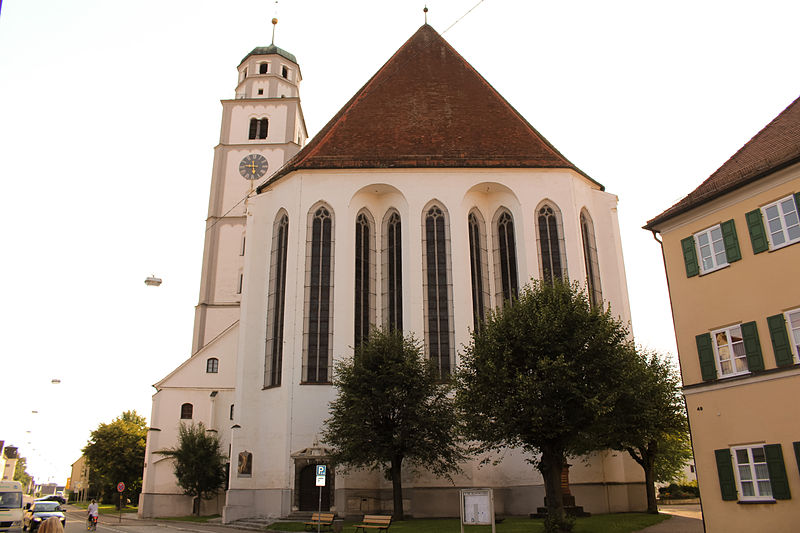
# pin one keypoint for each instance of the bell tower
(262, 127)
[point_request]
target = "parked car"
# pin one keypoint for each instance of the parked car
(53, 498)
(39, 511)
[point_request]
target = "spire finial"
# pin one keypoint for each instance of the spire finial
(425, 10)
(274, 21)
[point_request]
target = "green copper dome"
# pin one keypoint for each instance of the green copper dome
(271, 49)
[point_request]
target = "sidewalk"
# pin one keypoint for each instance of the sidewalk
(684, 519)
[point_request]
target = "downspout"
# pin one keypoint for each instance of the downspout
(680, 368)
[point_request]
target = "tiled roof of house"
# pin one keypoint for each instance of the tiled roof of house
(427, 108)
(773, 148)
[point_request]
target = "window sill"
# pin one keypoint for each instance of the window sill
(316, 383)
(781, 246)
(271, 387)
(751, 502)
(712, 270)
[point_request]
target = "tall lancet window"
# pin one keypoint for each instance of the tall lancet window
(392, 272)
(478, 268)
(319, 293)
(550, 237)
(276, 300)
(438, 289)
(364, 277)
(505, 253)
(590, 260)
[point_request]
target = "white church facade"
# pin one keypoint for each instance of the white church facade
(426, 201)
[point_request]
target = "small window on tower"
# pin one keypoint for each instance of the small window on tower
(241, 282)
(285, 72)
(263, 68)
(245, 73)
(261, 91)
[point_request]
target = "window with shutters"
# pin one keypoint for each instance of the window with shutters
(730, 351)
(276, 300)
(711, 249)
(258, 128)
(318, 334)
(782, 222)
(752, 474)
(212, 365)
(392, 261)
(793, 324)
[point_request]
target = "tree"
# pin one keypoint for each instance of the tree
(199, 465)
(392, 407)
(115, 452)
(649, 422)
(21, 473)
(542, 374)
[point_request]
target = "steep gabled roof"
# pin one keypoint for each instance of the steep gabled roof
(427, 108)
(773, 148)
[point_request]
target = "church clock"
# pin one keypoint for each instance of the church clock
(253, 166)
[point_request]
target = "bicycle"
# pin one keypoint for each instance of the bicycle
(91, 523)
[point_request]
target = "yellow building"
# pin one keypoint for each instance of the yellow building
(732, 255)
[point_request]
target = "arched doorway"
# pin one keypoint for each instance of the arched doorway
(309, 492)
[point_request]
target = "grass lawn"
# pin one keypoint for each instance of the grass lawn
(191, 518)
(609, 523)
(106, 509)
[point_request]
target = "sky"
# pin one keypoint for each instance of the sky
(109, 112)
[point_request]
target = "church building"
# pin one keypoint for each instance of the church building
(426, 201)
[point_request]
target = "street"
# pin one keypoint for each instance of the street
(76, 523)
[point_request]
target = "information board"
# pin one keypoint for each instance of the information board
(477, 508)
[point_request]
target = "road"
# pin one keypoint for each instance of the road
(76, 523)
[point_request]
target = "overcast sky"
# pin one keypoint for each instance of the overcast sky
(109, 112)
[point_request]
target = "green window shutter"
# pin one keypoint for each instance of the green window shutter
(731, 240)
(797, 453)
(752, 347)
(708, 367)
(797, 201)
(690, 257)
(758, 235)
(777, 472)
(727, 483)
(780, 340)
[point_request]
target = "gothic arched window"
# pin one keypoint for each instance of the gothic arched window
(258, 128)
(319, 291)
(590, 260)
(505, 252)
(276, 300)
(392, 272)
(364, 277)
(437, 289)
(550, 237)
(478, 268)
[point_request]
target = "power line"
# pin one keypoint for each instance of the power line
(462, 16)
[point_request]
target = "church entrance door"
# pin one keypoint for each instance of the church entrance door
(309, 492)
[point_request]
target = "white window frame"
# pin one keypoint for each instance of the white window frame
(754, 479)
(718, 361)
(701, 259)
(782, 218)
(794, 333)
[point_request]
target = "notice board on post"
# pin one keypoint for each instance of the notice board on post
(477, 508)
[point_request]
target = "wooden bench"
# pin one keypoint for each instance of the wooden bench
(374, 521)
(321, 520)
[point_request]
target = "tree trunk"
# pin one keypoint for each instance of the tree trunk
(551, 465)
(397, 487)
(649, 482)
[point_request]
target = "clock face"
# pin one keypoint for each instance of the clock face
(253, 166)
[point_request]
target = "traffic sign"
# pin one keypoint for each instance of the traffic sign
(320, 481)
(321, 470)
(120, 486)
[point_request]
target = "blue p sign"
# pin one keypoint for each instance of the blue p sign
(320, 470)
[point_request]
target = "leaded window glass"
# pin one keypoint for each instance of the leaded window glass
(551, 248)
(477, 269)
(319, 297)
(506, 253)
(590, 261)
(437, 290)
(393, 273)
(362, 279)
(276, 301)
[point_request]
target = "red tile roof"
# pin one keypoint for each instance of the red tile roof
(427, 108)
(773, 148)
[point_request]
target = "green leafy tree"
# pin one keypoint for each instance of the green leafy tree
(115, 452)
(649, 422)
(21, 473)
(392, 407)
(543, 374)
(199, 465)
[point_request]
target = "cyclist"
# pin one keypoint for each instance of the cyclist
(93, 512)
